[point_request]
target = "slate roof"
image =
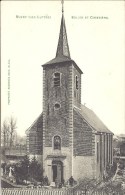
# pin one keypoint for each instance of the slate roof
(62, 53)
(92, 119)
(62, 59)
(35, 122)
(89, 116)
(63, 47)
(58, 59)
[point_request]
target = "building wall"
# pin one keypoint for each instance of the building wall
(76, 91)
(83, 167)
(80, 146)
(122, 149)
(83, 137)
(35, 138)
(103, 152)
(58, 121)
(97, 155)
(65, 156)
(84, 160)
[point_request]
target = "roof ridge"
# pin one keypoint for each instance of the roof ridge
(75, 108)
(93, 120)
(33, 123)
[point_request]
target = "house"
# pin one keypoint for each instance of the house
(68, 138)
(119, 145)
(13, 155)
(120, 156)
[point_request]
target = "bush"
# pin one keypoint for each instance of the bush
(26, 170)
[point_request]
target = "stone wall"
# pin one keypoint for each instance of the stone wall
(76, 91)
(82, 136)
(58, 121)
(83, 167)
(65, 156)
(103, 152)
(35, 137)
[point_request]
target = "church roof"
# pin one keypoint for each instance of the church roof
(89, 116)
(39, 118)
(62, 53)
(63, 47)
(58, 59)
(62, 59)
(92, 119)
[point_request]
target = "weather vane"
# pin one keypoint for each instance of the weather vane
(62, 1)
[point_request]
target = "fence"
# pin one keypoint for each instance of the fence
(35, 192)
(96, 193)
(20, 191)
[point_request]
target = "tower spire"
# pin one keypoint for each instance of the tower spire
(62, 1)
(63, 47)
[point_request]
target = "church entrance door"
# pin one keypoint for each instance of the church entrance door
(54, 167)
(57, 169)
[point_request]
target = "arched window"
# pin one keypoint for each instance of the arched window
(57, 142)
(56, 79)
(77, 82)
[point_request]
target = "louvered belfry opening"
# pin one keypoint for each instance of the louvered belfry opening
(56, 79)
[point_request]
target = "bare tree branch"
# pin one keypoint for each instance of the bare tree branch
(8, 133)
(12, 124)
(5, 134)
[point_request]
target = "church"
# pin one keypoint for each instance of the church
(68, 138)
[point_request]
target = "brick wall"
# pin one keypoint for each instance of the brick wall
(57, 122)
(76, 92)
(82, 136)
(35, 137)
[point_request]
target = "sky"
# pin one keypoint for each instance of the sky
(29, 37)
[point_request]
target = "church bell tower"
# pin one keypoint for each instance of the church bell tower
(61, 93)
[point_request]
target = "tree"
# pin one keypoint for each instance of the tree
(110, 171)
(87, 185)
(21, 170)
(5, 134)
(12, 126)
(8, 132)
(20, 140)
(111, 187)
(29, 171)
(18, 173)
(35, 170)
(92, 185)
